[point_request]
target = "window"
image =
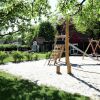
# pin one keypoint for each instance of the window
(73, 51)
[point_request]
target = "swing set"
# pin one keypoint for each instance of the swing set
(59, 49)
(94, 44)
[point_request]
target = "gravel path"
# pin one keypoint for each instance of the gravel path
(85, 78)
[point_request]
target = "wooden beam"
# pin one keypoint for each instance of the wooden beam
(58, 70)
(67, 47)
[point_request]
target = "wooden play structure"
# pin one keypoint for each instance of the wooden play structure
(94, 45)
(60, 48)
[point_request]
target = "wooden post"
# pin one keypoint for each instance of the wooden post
(67, 47)
(58, 70)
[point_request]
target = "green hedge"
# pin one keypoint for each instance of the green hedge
(12, 47)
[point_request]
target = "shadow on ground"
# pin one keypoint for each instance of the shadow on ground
(16, 89)
(86, 83)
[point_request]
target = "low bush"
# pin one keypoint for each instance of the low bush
(3, 56)
(17, 56)
(36, 57)
(29, 56)
(48, 55)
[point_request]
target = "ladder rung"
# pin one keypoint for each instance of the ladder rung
(56, 50)
(54, 55)
(59, 46)
(60, 36)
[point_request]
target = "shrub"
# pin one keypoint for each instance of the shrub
(17, 56)
(3, 56)
(29, 56)
(36, 57)
(48, 55)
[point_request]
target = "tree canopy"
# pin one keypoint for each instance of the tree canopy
(16, 12)
(19, 13)
(46, 30)
(85, 14)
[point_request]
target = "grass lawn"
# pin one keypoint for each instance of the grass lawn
(12, 88)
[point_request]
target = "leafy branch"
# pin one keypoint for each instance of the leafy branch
(80, 5)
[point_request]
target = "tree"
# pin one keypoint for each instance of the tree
(15, 12)
(88, 21)
(46, 30)
(84, 14)
(29, 36)
(11, 12)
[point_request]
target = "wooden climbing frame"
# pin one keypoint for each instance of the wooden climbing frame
(94, 48)
(57, 52)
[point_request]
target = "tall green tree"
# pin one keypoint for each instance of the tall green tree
(85, 14)
(46, 30)
(88, 20)
(17, 12)
(11, 12)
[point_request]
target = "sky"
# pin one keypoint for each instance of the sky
(53, 4)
